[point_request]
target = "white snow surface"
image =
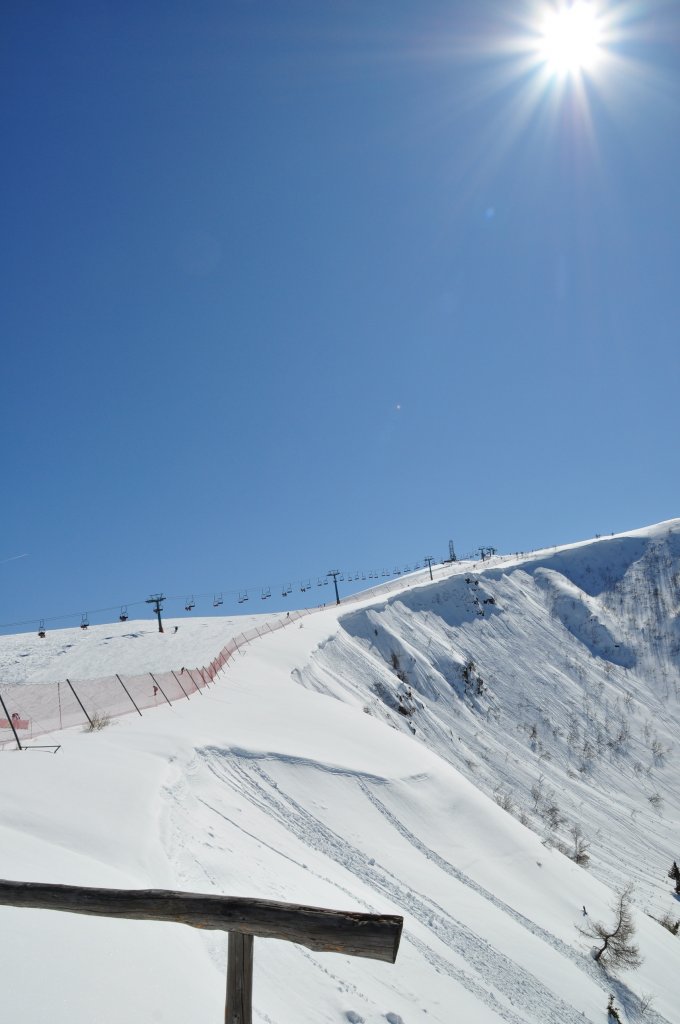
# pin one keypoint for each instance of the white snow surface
(358, 760)
(129, 648)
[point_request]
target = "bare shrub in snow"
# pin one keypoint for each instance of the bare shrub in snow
(656, 800)
(646, 1000)
(98, 720)
(474, 684)
(588, 754)
(538, 792)
(659, 752)
(579, 851)
(552, 815)
(669, 923)
(619, 736)
(504, 799)
(601, 740)
(617, 949)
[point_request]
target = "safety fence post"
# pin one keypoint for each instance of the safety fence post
(79, 701)
(156, 683)
(191, 676)
(128, 693)
(9, 719)
(179, 684)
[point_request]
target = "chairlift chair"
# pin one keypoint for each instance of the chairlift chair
(363, 575)
(189, 604)
(302, 587)
(217, 600)
(41, 629)
(242, 596)
(266, 592)
(397, 572)
(319, 581)
(84, 621)
(123, 614)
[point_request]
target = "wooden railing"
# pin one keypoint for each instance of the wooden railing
(375, 936)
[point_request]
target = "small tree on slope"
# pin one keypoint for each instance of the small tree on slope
(617, 949)
(674, 873)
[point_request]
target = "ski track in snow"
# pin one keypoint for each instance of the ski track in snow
(583, 962)
(520, 991)
(513, 981)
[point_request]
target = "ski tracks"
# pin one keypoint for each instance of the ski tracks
(522, 995)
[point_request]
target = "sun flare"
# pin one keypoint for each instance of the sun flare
(570, 39)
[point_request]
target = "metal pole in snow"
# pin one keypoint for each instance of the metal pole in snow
(7, 716)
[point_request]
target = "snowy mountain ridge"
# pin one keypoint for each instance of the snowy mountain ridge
(427, 753)
(565, 669)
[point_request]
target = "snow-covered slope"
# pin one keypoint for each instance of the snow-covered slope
(352, 761)
(129, 648)
(558, 674)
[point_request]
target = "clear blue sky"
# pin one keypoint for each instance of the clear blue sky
(291, 286)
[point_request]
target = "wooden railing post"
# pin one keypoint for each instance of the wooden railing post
(239, 1009)
(375, 936)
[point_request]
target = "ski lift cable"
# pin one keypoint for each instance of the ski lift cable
(122, 607)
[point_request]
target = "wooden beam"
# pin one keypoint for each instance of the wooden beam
(375, 936)
(239, 1009)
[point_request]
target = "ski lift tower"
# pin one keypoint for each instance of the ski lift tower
(157, 601)
(452, 553)
(335, 573)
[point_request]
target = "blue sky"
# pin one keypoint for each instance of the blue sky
(296, 286)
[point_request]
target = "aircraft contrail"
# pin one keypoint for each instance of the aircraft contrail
(12, 559)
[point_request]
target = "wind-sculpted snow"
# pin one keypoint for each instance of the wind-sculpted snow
(595, 567)
(584, 617)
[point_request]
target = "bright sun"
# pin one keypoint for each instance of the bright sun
(570, 39)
